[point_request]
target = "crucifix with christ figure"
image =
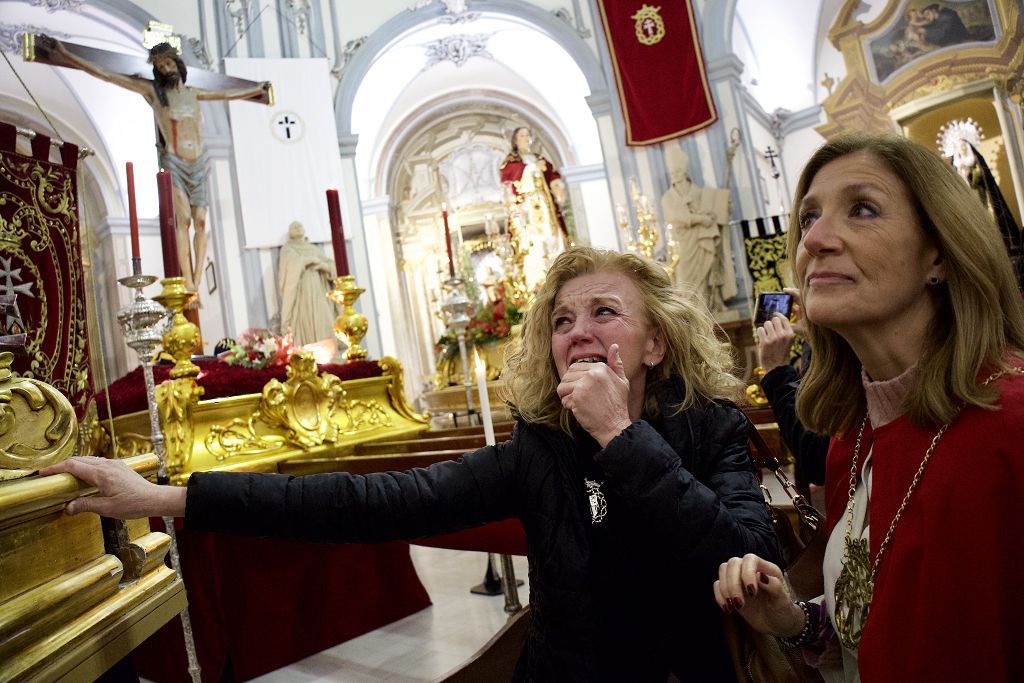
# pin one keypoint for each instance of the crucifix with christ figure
(176, 109)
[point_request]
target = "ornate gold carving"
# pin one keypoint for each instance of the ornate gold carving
(392, 368)
(1014, 87)
(37, 423)
(239, 437)
(175, 400)
(349, 327)
(133, 444)
(858, 103)
(755, 395)
(177, 397)
(309, 408)
(304, 404)
(182, 336)
(361, 416)
(93, 436)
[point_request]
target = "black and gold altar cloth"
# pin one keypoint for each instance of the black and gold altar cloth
(767, 254)
(41, 263)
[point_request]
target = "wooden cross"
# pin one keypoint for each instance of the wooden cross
(135, 67)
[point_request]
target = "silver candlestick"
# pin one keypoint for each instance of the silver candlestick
(143, 321)
(456, 312)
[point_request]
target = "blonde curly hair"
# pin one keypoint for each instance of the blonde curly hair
(692, 350)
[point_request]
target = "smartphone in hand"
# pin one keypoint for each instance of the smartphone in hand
(770, 303)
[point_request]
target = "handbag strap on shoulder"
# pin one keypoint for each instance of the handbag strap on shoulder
(764, 457)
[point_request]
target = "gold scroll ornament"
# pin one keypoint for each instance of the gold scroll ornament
(179, 395)
(34, 410)
(306, 410)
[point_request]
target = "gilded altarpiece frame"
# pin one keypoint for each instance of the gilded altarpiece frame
(972, 77)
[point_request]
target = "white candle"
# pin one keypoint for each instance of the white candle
(485, 401)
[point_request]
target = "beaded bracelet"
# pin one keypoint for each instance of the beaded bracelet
(812, 626)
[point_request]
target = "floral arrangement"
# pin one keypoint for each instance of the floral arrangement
(259, 348)
(491, 323)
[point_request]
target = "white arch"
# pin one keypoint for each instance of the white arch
(404, 22)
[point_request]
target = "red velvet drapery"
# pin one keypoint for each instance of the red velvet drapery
(41, 262)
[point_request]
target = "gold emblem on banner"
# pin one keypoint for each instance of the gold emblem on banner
(650, 28)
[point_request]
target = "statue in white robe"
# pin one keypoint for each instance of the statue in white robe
(304, 277)
(699, 217)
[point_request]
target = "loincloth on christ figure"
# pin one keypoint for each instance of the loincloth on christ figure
(190, 176)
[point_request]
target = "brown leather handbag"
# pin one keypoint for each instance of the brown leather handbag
(759, 657)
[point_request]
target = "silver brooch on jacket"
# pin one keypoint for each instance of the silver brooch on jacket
(598, 504)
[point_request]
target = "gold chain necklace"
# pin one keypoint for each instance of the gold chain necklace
(856, 581)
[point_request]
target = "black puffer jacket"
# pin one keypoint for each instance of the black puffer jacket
(627, 599)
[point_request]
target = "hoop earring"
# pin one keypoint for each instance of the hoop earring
(934, 280)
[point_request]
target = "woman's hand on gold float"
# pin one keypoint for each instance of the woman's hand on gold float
(121, 492)
(598, 396)
(758, 590)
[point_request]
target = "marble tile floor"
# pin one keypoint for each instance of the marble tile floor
(426, 644)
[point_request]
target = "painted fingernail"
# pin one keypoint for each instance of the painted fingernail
(727, 608)
(750, 589)
(764, 579)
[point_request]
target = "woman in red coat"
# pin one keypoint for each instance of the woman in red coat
(917, 330)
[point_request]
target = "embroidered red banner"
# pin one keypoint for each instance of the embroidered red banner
(41, 263)
(659, 69)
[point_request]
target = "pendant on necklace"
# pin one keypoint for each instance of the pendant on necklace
(853, 593)
(598, 504)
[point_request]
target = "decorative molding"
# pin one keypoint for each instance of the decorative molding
(457, 49)
(347, 145)
(346, 55)
(776, 123)
(239, 11)
(200, 52)
(584, 174)
(600, 103)
(377, 205)
(860, 103)
(10, 35)
(455, 11)
(403, 22)
(787, 121)
(299, 11)
(566, 16)
(52, 6)
(723, 68)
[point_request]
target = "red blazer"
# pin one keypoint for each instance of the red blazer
(949, 595)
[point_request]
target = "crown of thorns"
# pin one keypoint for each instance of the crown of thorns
(162, 50)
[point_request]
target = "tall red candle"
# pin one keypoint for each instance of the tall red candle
(337, 233)
(168, 227)
(448, 241)
(133, 216)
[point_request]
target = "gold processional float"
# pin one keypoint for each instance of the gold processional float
(78, 593)
(311, 419)
(81, 592)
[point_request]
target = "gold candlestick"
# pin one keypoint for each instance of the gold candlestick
(350, 326)
(177, 396)
(181, 337)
